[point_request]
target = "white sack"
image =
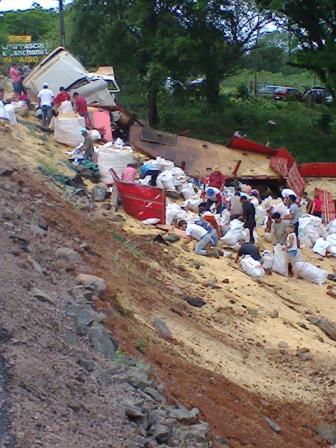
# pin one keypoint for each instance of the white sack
(167, 180)
(268, 259)
(229, 192)
(151, 221)
(159, 183)
(321, 246)
(332, 250)
(260, 215)
(281, 208)
(65, 107)
(192, 204)
(188, 191)
(95, 135)
(224, 220)
(308, 222)
(309, 272)
(117, 159)
(67, 130)
(280, 264)
(177, 171)
(119, 143)
(171, 211)
(252, 267)
(7, 112)
(234, 234)
(331, 239)
(331, 227)
(311, 235)
(186, 216)
(145, 181)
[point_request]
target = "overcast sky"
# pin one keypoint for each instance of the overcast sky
(6, 5)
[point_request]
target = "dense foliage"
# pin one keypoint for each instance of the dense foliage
(39, 23)
(160, 40)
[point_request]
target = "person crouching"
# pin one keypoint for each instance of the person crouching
(202, 237)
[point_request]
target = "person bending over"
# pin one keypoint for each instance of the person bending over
(247, 249)
(199, 234)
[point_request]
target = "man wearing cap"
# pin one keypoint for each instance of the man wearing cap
(217, 179)
(213, 196)
(45, 101)
(87, 149)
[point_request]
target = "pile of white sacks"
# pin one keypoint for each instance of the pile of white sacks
(172, 178)
(322, 238)
(313, 233)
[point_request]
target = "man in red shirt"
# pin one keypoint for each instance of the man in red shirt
(217, 179)
(61, 96)
(81, 108)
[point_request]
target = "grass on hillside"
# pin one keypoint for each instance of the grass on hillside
(300, 80)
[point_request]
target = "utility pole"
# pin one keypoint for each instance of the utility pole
(62, 26)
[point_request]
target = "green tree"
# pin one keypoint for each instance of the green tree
(36, 22)
(142, 37)
(220, 33)
(271, 53)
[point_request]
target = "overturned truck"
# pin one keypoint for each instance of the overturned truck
(61, 69)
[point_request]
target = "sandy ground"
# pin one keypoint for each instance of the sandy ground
(234, 337)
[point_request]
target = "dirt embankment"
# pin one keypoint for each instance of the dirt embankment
(238, 357)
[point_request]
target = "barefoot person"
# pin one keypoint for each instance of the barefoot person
(291, 248)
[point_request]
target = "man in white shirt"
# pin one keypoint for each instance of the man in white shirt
(45, 101)
(198, 233)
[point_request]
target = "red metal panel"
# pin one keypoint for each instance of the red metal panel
(140, 201)
(280, 165)
(101, 120)
(295, 180)
(328, 204)
(285, 154)
(250, 146)
(318, 169)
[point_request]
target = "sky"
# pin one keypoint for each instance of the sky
(6, 5)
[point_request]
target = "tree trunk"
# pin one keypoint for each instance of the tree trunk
(212, 87)
(153, 114)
